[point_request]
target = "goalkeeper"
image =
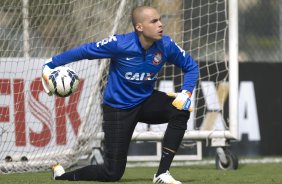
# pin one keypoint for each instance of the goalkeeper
(129, 97)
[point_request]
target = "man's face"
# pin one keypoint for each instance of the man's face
(151, 25)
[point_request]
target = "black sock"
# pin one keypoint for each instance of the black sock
(167, 157)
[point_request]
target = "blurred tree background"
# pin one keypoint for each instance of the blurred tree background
(260, 28)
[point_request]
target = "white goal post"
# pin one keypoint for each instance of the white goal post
(37, 131)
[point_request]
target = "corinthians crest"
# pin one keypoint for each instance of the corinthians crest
(157, 58)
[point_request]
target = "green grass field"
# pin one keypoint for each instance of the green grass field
(247, 173)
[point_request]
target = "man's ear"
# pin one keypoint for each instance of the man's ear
(139, 27)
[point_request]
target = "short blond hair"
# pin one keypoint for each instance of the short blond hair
(136, 12)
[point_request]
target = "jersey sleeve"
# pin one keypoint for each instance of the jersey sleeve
(105, 48)
(183, 60)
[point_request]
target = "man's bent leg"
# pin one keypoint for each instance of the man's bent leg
(159, 109)
(173, 138)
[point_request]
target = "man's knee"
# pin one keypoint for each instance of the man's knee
(114, 169)
(114, 176)
(179, 119)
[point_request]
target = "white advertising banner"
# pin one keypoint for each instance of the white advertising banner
(31, 121)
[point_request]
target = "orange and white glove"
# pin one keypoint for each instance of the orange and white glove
(182, 100)
(47, 69)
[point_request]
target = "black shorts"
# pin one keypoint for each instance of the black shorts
(118, 127)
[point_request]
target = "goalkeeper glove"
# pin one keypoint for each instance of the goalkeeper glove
(182, 100)
(46, 71)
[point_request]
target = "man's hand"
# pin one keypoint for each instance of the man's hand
(46, 71)
(182, 100)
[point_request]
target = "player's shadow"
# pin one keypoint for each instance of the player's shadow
(135, 180)
(149, 180)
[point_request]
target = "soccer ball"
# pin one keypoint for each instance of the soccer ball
(63, 81)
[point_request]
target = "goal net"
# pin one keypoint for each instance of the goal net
(37, 131)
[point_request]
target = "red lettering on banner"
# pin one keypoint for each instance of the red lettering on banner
(71, 110)
(19, 109)
(40, 112)
(5, 89)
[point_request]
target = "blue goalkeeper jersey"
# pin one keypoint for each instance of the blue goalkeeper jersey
(133, 71)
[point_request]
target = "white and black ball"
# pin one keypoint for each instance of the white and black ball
(63, 81)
